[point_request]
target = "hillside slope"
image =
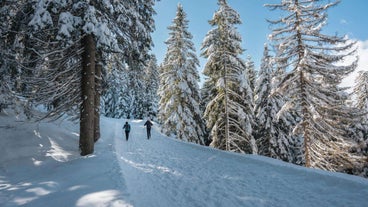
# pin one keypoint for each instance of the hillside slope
(40, 166)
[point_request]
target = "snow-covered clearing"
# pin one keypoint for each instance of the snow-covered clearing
(40, 166)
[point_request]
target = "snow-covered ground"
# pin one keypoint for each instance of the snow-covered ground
(40, 166)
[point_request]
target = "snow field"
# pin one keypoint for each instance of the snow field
(40, 166)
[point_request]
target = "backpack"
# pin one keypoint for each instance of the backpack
(127, 127)
(148, 124)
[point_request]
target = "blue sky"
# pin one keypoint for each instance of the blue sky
(350, 18)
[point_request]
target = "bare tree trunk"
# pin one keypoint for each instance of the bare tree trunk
(306, 136)
(227, 133)
(97, 133)
(87, 113)
(306, 118)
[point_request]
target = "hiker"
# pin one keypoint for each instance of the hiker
(148, 125)
(127, 130)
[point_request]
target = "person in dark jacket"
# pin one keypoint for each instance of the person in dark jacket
(127, 130)
(148, 125)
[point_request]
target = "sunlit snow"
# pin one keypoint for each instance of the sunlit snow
(45, 169)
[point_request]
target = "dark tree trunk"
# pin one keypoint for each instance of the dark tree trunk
(97, 133)
(87, 111)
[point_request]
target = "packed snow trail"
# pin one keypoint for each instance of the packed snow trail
(165, 172)
(40, 165)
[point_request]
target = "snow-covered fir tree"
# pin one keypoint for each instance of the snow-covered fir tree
(152, 81)
(361, 92)
(16, 51)
(137, 56)
(229, 111)
(262, 105)
(311, 84)
(206, 90)
(361, 127)
(251, 72)
(8, 70)
(272, 132)
(136, 90)
(179, 90)
(114, 97)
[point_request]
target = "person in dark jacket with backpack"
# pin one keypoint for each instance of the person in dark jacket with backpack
(148, 125)
(127, 130)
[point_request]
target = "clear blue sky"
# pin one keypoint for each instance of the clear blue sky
(350, 17)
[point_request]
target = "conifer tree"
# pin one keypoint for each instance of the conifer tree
(207, 89)
(272, 131)
(229, 112)
(9, 72)
(263, 131)
(17, 49)
(115, 92)
(152, 81)
(136, 90)
(311, 86)
(361, 91)
(251, 72)
(360, 128)
(179, 91)
(141, 24)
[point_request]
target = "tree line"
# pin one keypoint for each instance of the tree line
(61, 54)
(293, 108)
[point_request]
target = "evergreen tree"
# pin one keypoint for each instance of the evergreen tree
(361, 92)
(263, 131)
(16, 50)
(229, 112)
(251, 72)
(272, 131)
(136, 93)
(152, 80)
(140, 25)
(360, 128)
(311, 86)
(8, 71)
(207, 89)
(115, 96)
(179, 91)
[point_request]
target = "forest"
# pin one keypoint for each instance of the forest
(84, 59)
